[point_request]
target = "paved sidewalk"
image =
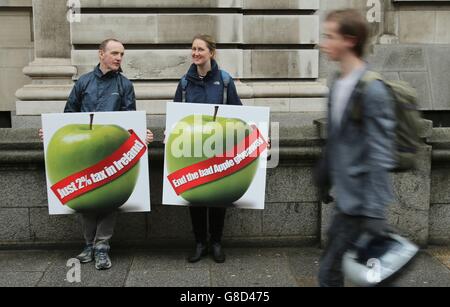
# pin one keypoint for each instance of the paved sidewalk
(291, 267)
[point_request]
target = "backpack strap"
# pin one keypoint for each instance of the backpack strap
(226, 78)
(367, 78)
(184, 85)
(370, 76)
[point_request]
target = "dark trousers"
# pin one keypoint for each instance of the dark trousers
(343, 233)
(200, 217)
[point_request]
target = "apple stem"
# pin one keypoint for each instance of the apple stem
(216, 110)
(92, 120)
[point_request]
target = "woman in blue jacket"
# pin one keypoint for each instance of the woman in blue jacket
(206, 83)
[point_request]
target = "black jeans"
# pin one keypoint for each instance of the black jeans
(343, 233)
(200, 217)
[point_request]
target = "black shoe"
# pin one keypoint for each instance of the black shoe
(201, 250)
(217, 253)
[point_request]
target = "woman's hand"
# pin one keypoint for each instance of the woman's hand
(150, 137)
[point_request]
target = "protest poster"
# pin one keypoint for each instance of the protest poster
(96, 162)
(215, 155)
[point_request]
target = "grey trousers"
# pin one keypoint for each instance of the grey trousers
(98, 227)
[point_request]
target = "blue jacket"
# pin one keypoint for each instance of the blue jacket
(360, 155)
(98, 92)
(209, 90)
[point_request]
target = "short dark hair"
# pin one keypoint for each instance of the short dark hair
(105, 43)
(352, 23)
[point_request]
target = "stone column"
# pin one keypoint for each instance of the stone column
(51, 71)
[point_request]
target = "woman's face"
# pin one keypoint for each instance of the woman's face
(201, 53)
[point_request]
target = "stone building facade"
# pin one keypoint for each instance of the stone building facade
(270, 46)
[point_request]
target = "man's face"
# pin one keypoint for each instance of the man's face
(334, 44)
(111, 58)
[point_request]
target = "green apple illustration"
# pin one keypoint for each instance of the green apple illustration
(191, 130)
(74, 148)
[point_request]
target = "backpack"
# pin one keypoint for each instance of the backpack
(226, 78)
(408, 117)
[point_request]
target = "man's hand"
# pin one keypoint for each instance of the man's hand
(150, 138)
(41, 135)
